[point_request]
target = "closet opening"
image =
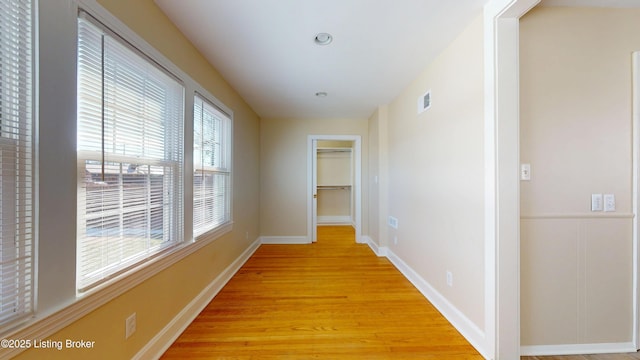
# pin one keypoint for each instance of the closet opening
(334, 182)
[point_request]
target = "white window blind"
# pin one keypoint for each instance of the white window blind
(16, 160)
(212, 167)
(130, 160)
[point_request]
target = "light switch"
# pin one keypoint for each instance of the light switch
(609, 202)
(596, 202)
(525, 172)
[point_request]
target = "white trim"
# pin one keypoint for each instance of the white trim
(44, 326)
(635, 197)
(312, 176)
(335, 220)
(594, 215)
(471, 332)
(380, 251)
(284, 240)
(577, 349)
(163, 340)
(501, 139)
(357, 184)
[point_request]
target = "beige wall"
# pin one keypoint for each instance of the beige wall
(334, 169)
(374, 177)
(158, 299)
(576, 275)
(435, 167)
(283, 179)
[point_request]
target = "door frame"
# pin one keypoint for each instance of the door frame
(502, 191)
(636, 196)
(502, 183)
(312, 218)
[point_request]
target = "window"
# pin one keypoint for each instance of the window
(130, 141)
(212, 167)
(16, 160)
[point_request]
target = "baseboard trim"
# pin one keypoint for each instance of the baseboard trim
(284, 240)
(335, 220)
(380, 251)
(469, 330)
(163, 340)
(577, 349)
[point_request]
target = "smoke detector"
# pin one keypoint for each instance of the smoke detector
(323, 39)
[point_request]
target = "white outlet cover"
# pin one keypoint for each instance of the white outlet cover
(130, 326)
(609, 202)
(393, 222)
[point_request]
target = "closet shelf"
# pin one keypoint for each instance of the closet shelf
(334, 187)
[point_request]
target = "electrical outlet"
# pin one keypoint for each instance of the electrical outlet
(130, 326)
(609, 202)
(393, 222)
(395, 240)
(449, 278)
(246, 235)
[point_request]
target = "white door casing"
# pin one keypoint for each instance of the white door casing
(636, 197)
(312, 184)
(502, 197)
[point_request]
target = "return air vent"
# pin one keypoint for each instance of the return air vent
(424, 102)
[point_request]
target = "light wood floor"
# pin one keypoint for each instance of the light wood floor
(330, 300)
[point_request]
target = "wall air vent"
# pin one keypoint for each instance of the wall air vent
(424, 102)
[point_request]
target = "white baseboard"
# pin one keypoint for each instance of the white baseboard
(335, 220)
(471, 332)
(380, 251)
(577, 349)
(163, 340)
(284, 240)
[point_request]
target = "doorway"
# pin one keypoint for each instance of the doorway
(636, 197)
(335, 188)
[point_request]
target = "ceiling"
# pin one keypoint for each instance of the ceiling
(265, 49)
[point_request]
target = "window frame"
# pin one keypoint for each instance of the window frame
(57, 172)
(171, 160)
(222, 169)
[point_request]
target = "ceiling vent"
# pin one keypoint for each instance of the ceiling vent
(424, 102)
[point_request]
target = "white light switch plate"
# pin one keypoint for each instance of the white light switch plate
(525, 172)
(596, 202)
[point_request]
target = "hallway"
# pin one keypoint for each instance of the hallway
(330, 300)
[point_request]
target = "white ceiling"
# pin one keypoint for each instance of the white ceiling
(265, 48)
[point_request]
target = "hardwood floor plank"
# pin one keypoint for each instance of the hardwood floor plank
(330, 300)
